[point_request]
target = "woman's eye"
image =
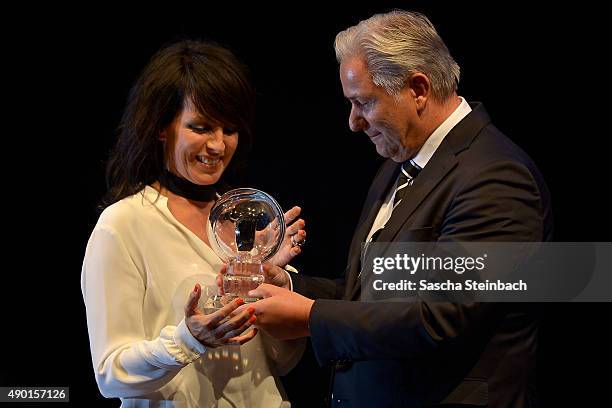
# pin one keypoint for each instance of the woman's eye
(199, 129)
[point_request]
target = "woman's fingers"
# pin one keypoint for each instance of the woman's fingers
(244, 338)
(224, 312)
(298, 239)
(300, 236)
(232, 324)
(295, 227)
(292, 214)
(191, 308)
(223, 269)
(222, 272)
(239, 327)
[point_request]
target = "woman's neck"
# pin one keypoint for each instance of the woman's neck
(182, 187)
(192, 214)
(182, 201)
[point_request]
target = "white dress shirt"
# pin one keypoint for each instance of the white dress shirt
(140, 266)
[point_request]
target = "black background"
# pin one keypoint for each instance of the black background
(539, 70)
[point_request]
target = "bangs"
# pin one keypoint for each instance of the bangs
(217, 113)
(221, 92)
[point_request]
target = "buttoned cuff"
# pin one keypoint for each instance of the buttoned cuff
(187, 343)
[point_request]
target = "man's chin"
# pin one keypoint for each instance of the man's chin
(400, 156)
(384, 152)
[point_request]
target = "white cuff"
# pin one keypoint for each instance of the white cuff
(287, 269)
(187, 343)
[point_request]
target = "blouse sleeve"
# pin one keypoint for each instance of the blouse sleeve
(126, 363)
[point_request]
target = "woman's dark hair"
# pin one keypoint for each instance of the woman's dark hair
(203, 72)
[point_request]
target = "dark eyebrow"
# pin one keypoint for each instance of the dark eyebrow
(208, 121)
(200, 117)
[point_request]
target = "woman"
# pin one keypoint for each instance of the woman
(149, 253)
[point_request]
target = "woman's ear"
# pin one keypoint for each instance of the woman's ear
(163, 135)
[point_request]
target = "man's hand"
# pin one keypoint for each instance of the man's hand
(281, 313)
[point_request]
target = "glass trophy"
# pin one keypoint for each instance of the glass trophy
(246, 227)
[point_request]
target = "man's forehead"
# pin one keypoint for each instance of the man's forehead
(356, 79)
(354, 68)
(350, 73)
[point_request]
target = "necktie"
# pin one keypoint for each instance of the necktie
(408, 172)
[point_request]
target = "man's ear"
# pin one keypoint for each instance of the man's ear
(421, 90)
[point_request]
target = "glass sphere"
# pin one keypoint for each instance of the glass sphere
(246, 225)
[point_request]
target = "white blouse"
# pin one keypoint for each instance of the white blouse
(140, 265)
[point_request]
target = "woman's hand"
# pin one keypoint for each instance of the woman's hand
(295, 237)
(222, 327)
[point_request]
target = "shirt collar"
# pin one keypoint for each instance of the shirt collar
(433, 141)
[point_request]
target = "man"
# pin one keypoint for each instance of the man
(463, 180)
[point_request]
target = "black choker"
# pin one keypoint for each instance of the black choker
(186, 188)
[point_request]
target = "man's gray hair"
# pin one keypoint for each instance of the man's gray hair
(396, 45)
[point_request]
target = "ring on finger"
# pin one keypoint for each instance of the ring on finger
(297, 243)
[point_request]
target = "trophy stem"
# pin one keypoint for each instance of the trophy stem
(242, 277)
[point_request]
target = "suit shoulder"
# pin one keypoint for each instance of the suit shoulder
(492, 149)
(492, 145)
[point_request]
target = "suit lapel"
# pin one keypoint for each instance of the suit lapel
(440, 164)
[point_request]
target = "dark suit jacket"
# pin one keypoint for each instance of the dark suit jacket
(478, 186)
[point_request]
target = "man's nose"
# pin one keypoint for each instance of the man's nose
(356, 122)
